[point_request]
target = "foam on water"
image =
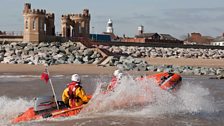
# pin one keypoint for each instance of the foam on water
(129, 98)
(136, 98)
(10, 108)
(25, 76)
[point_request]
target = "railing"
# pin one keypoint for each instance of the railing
(11, 33)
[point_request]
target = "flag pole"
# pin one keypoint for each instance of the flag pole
(55, 98)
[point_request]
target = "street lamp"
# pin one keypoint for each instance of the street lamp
(92, 33)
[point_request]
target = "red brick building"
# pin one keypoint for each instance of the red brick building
(197, 38)
(153, 38)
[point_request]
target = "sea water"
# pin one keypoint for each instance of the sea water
(199, 101)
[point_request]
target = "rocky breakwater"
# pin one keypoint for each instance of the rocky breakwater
(133, 61)
(167, 52)
(130, 63)
(48, 53)
(76, 53)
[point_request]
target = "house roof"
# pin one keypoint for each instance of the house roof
(218, 39)
(162, 36)
(146, 35)
(167, 37)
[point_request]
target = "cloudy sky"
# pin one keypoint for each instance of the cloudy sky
(175, 17)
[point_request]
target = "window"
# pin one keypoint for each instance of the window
(80, 28)
(34, 23)
(26, 24)
(41, 25)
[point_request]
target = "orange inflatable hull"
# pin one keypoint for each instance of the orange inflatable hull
(167, 81)
(30, 114)
(64, 111)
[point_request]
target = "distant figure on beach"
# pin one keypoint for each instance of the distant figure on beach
(117, 75)
(74, 95)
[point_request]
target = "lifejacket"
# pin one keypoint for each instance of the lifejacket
(72, 87)
(112, 84)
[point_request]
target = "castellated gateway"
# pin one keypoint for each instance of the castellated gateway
(39, 25)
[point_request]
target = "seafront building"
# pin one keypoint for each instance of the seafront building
(39, 26)
(198, 39)
(143, 37)
(218, 41)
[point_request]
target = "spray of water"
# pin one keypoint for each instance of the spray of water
(134, 97)
(10, 108)
(131, 97)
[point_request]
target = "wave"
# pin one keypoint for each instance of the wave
(145, 98)
(26, 76)
(10, 108)
(130, 98)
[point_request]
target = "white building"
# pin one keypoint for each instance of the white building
(140, 29)
(110, 28)
(218, 41)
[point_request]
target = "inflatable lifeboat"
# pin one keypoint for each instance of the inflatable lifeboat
(167, 81)
(45, 107)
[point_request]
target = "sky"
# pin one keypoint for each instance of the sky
(175, 17)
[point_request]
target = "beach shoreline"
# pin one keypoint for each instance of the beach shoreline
(92, 69)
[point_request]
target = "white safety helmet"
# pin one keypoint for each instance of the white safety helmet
(76, 78)
(116, 72)
(119, 76)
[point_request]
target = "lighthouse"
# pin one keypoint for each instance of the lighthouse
(140, 30)
(110, 26)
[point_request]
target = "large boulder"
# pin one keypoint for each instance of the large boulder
(220, 71)
(86, 59)
(1, 58)
(72, 48)
(141, 67)
(197, 71)
(43, 44)
(78, 61)
(22, 44)
(96, 61)
(88, 52)
(8, 59)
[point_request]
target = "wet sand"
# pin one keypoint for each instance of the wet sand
(65, 69)
(91, 69)
(62, 69)
(189, 62)
(29, 87)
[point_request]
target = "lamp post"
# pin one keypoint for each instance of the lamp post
(96, 36)
(93, 33)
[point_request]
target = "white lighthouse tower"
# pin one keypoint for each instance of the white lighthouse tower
(110, 26)
(140, 29)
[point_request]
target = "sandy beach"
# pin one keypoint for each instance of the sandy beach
(189, 62)
(64, 69)
(68, 69)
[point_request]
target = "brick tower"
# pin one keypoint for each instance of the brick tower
(38, 24)
(75, 25)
